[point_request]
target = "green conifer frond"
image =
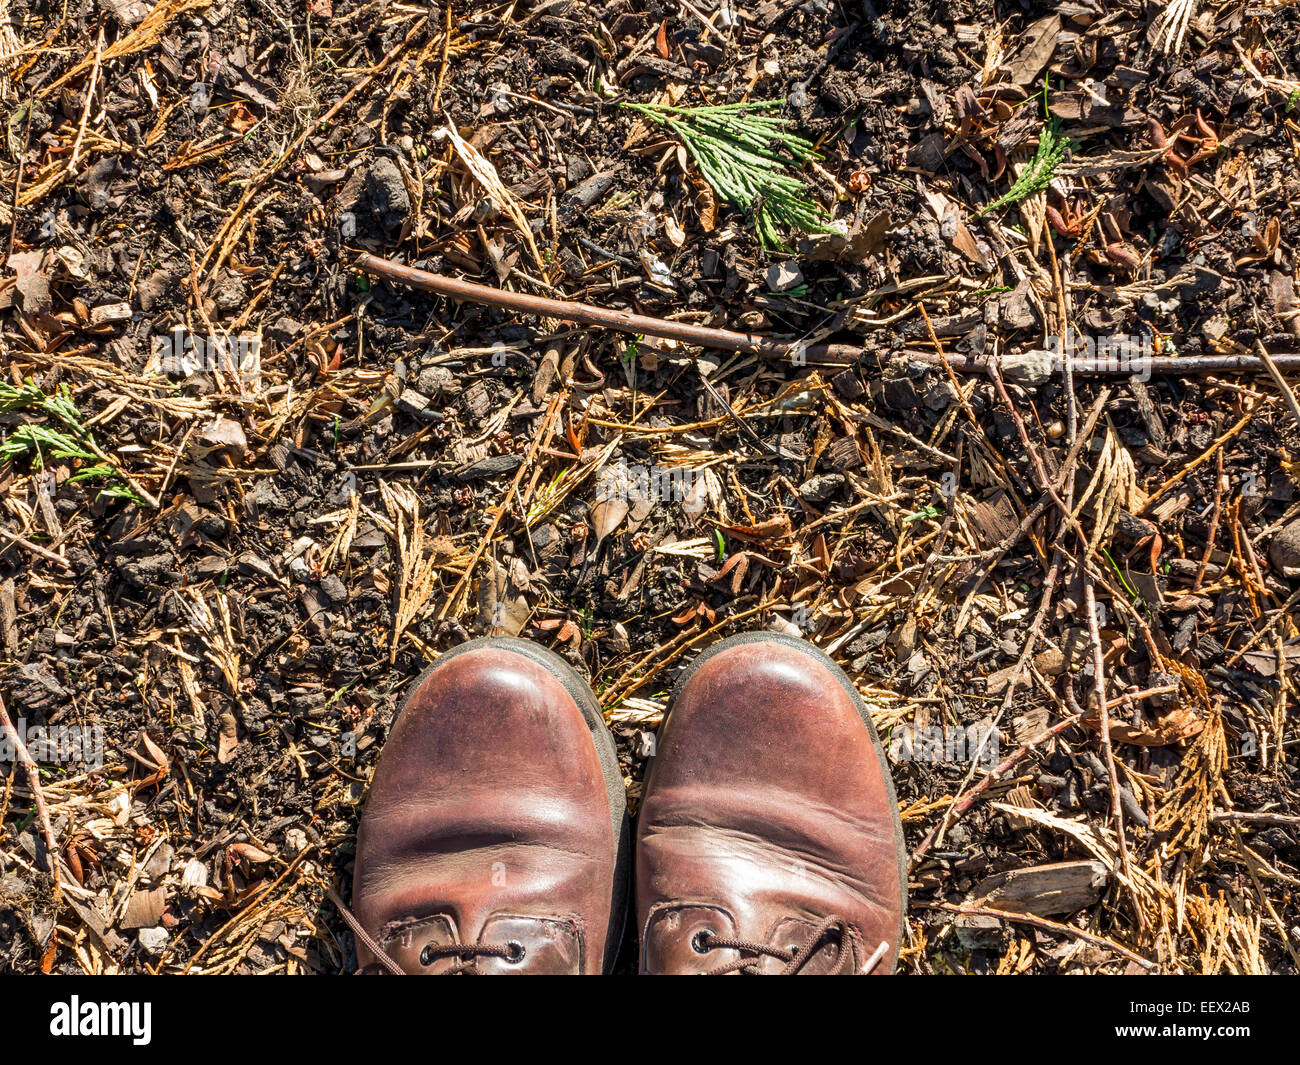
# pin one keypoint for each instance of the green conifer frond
(748, 158)
(38, 442)
(1051, 150)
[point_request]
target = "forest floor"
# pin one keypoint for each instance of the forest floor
(250, 491)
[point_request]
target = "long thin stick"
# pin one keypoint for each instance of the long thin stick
(1270, 364)
(1044, 924)
(1103, 710)
(769, 347)
(38, 796)
(961, 806)
(1255, 818)
(568, 311)
(24, 542)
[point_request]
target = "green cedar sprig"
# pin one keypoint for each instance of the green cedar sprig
(35, 441)
(748, 158)
(1051, 150)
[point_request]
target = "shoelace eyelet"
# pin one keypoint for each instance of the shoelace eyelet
(700, 941)
(517, 952)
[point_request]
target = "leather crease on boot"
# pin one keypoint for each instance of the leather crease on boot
(768, 838)
(494, 836)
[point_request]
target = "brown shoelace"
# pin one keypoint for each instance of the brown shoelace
(831, 930)
(467, 953)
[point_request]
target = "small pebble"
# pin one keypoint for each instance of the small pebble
(1284, 551)
(154, 940)
(782, 277)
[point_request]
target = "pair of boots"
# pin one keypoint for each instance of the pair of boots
(495, 835)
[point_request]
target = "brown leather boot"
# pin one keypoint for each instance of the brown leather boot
(768, 838)
(494, 836)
